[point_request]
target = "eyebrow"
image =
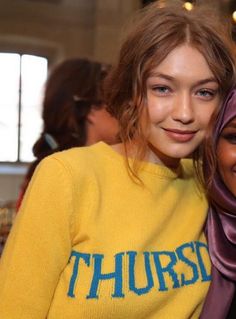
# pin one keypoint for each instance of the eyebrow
(171, 78)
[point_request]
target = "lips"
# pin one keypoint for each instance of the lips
(181, 136)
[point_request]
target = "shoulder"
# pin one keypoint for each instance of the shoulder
(78, 157)
(93, 164)
(77, 161)
(69, 170)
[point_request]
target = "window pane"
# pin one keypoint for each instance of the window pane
(9, 101)
(34, 74)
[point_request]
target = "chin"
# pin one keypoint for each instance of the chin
(179, 152)
(180, 155)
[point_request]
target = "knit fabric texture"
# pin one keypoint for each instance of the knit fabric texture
(89, 242)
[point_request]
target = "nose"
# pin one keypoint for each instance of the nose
(183, 108)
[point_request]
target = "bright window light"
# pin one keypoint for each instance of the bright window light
(9, 103)
(22, 80)
(34, 73)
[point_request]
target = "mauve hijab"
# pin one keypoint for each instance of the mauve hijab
(221, 230)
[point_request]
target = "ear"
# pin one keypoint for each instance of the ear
(91, 117)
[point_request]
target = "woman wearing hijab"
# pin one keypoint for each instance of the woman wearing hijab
(220, 178)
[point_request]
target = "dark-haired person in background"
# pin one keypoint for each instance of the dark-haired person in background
(74, 112)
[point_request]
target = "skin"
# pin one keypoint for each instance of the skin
(182, 94)
(226, 154)
(101, 126)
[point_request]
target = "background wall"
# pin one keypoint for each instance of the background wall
(64, 28)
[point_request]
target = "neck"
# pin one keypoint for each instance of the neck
(91, 135)
(155, 156)
(149, 155)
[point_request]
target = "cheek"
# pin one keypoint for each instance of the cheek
(106, 118)
(205, 116)
(222, 149)
(226, 155)
(203, 112)
(157, 111)
(110, 127)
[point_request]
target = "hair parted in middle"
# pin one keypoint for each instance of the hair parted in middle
(154, 33)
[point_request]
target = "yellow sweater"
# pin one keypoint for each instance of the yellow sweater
(90, 243)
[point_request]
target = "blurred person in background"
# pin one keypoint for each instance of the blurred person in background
(74, 112)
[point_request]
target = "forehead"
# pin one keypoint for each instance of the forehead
(185, 61)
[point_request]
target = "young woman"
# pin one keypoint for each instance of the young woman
(219, 168)
(118, 231)
(74, 112)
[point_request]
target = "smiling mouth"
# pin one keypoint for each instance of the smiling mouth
(180, 135)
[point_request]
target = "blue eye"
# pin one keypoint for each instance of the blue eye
(161, 89)
(207, 94)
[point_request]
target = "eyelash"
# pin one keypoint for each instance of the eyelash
(208, 94)
(230, 137)
(159, 89)
(203, 93)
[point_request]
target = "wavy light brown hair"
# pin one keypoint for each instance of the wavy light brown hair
(154, 33)
(209, 155)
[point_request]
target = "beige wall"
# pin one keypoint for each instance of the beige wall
(9, 186)
(70, 28)
(57, 30)
(111, 16)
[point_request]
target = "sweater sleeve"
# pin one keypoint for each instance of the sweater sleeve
(39, 245)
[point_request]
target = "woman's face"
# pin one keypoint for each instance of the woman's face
(182, 93)
(226, 155)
